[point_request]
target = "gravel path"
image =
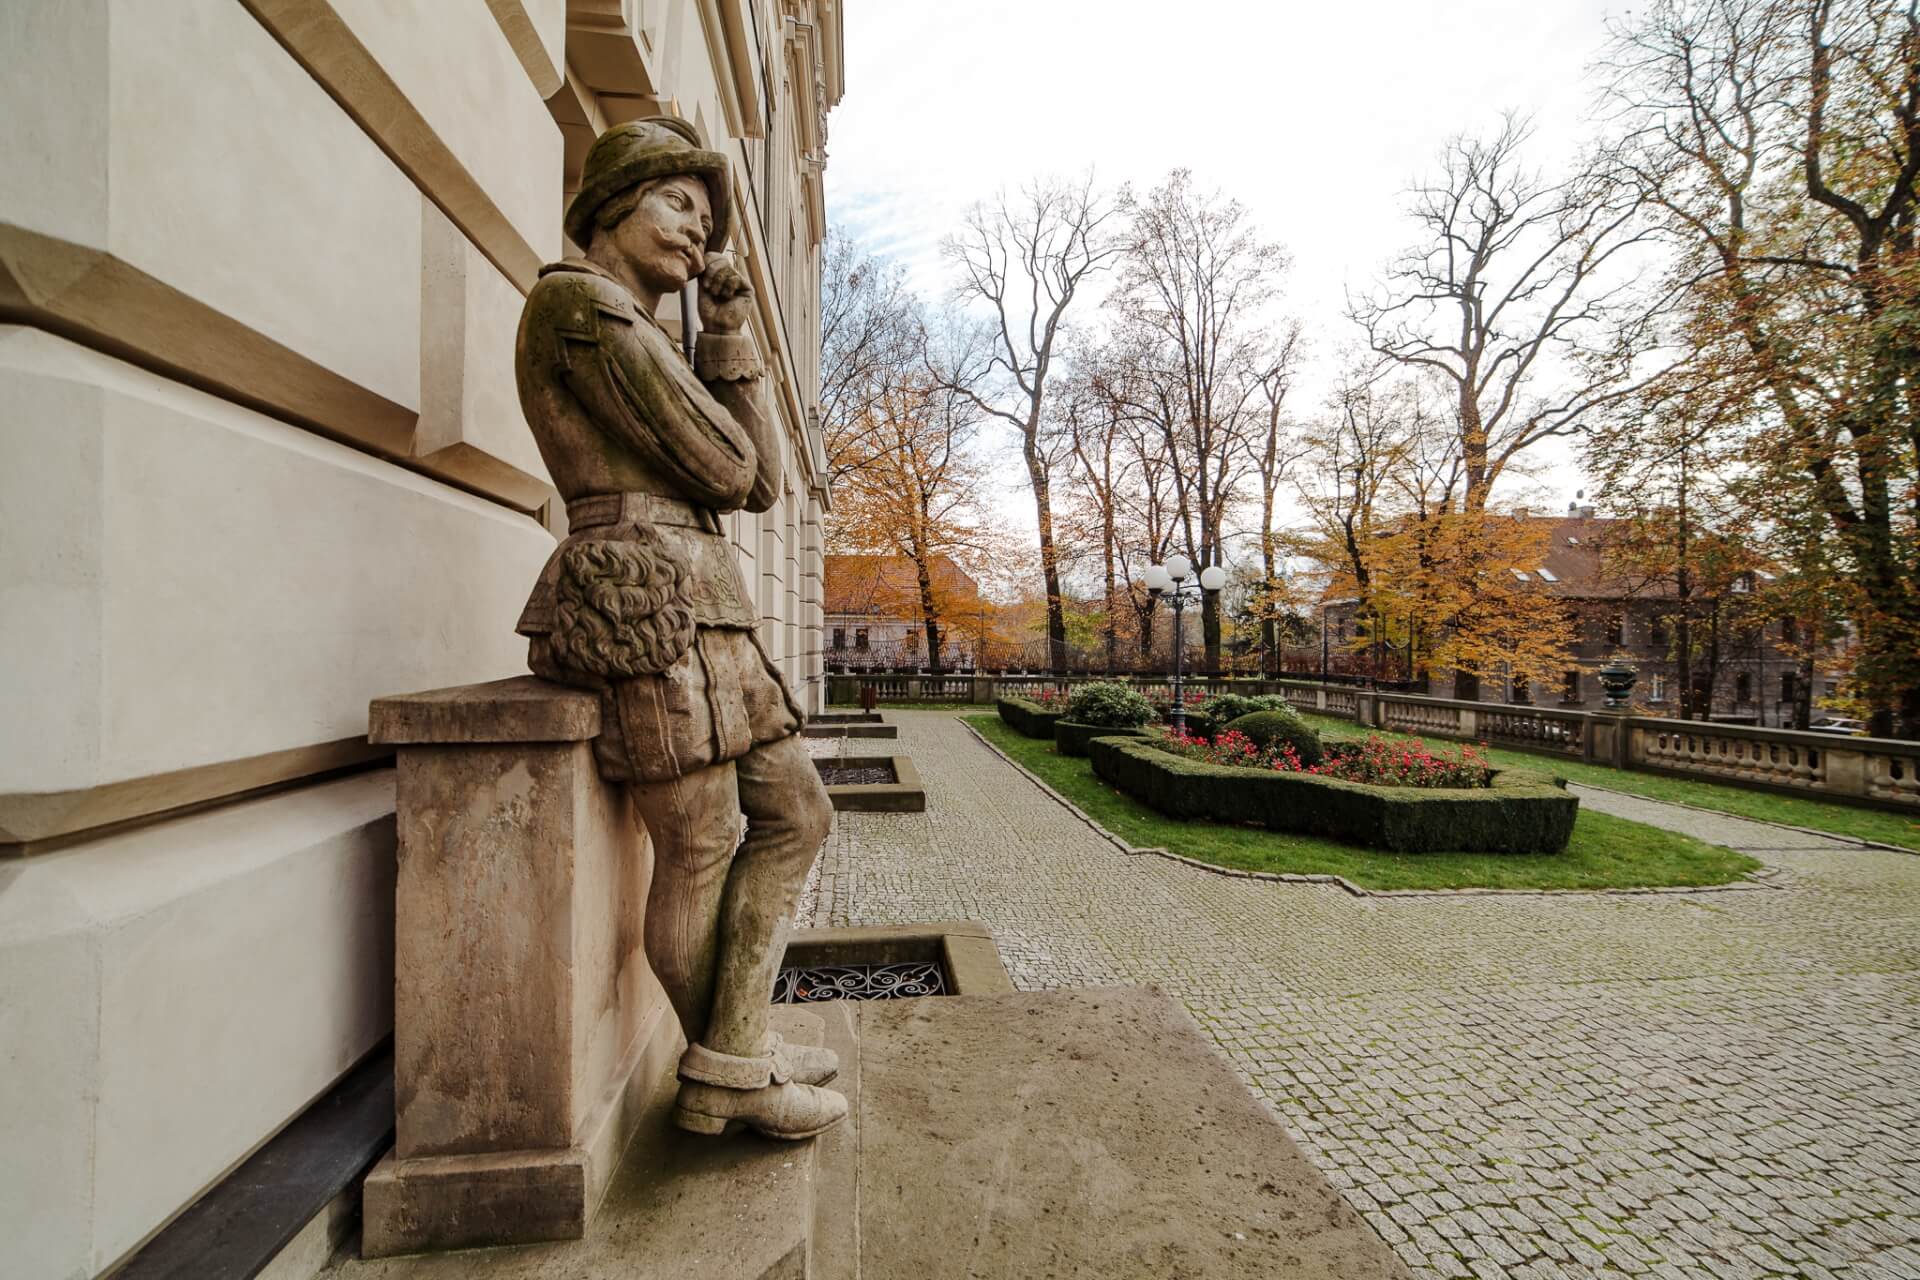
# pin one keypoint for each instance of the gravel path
(1711, 1084)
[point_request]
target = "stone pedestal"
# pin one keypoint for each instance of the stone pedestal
(527, 1026)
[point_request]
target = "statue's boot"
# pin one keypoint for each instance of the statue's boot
(721, 1091)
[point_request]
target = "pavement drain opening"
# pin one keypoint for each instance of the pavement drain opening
(860, 982)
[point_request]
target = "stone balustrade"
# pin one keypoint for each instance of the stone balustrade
(1880, 772)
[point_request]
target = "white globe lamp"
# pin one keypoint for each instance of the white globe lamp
(1158, 579)
(1180, 567)
(1212, 578)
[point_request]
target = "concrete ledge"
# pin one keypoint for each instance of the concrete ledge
(850, 730)
(903, 795)
(519, 709)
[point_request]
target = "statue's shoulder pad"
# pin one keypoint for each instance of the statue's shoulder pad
(560, 293)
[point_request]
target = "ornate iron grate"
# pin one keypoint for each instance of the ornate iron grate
(860, 982)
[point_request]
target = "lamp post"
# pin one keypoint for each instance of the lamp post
(1176, 582)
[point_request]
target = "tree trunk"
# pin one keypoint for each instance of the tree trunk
(1049, 560)
(929, 614)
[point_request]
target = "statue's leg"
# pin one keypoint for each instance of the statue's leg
(736, 1073)
(695, 825)
(788, 814)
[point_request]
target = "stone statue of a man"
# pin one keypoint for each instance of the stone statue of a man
(643, 603)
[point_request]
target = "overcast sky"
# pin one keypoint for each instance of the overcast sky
(1315, 115)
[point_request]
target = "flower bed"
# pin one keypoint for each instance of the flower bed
(1517, 812)
(1027, 717)
(1376, 760)
(1070, 738)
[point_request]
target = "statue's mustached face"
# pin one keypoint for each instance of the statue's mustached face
(666, 234)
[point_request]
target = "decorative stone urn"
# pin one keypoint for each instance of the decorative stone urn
(1617, 679)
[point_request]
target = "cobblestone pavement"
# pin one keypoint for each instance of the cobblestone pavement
(1701, 1084)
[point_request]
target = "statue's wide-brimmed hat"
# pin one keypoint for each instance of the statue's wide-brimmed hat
(640, 151)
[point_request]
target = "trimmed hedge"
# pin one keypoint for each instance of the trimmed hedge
(1070, 738)
(1028, 719)
(1522, 812)
(1265, 728)
(1110, 703)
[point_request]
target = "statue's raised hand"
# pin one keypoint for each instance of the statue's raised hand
(725, 296)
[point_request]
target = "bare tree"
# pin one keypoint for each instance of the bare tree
(1028, 256)
(1275, 449)
(870, 343)
(1520, 292)
(1195, 283)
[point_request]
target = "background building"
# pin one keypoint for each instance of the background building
(261, 461)
(1747, 665)
(872, 618)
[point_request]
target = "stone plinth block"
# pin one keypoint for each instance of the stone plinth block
(526, 1023)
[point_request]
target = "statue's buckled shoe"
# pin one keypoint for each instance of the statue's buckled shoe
(775, 1093)
(779, 1110)
(781, 1063)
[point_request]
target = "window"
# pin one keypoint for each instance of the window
(1657, 691)
(859, 637)
(1546, 574)
(1572, 541)
(1743, 688)
(1789, 687)
(1616, 629)
(1519, 691)
(1657, 633)
(1788, 631)
(1570, 687)
(1520, 574)
(839, 637)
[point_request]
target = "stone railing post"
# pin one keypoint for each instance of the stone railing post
(1366, 708)
(527, 1026)
(1844, 770)
(1608, 737)
(1469, 723)
(1320, 697)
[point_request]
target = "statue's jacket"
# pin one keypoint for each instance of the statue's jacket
(643, 602)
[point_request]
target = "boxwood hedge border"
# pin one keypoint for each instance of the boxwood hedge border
(1070, 737)
(1029, 719)
(1522, 812)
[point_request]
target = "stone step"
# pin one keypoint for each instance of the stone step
(1056, 1133)
(1080, 1133)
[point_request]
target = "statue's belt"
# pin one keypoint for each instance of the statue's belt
(684, 533)
(602, 509)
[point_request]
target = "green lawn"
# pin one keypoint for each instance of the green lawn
(1795, 811)
(1605, 852)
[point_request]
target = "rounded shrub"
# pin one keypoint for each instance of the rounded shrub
(1109, 705)
(1273, 727)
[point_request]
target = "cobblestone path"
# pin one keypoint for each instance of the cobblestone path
(1716, 1084)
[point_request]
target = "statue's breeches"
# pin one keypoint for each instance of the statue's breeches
(718, 701)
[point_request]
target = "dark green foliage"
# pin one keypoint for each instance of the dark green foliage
(1112, 705)
(1213, 715)
(1270, 728)
(1521, 812)
(1070, 738)
(1027, 718)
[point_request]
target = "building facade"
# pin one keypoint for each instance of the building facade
(261, 461)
